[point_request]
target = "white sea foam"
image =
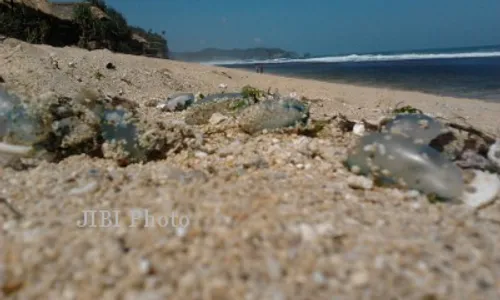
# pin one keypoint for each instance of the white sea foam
(362, 58)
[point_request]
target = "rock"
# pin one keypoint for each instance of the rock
(217, 118)
(273, 114)
(421, 128)
(110, 66)
(177, 102)
(395, 159)
(471, 159)
(481, 189)
(360, 182)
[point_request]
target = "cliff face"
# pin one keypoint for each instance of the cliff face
(44, 22)
(32, 21)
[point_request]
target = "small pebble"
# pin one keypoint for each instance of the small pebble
(360, 182)
(217, 118)
(88, 188)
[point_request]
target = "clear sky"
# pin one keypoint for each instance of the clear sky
(318, 26)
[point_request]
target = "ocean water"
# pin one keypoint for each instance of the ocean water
(458, 72)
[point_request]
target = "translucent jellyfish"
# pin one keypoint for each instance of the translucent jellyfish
(421, 128)
(17, 124)
(178, 102)
(10, 107)
(397, 159)
(7, 104)
(273, 114)
(221, 96)
(117, 127)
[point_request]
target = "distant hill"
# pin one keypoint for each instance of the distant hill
(214, 54)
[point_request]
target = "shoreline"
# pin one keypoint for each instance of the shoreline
(379, 86)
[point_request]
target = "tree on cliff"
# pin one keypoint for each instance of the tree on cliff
(114, 31)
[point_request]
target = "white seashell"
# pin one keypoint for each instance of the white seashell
(494, 153)
(9, 153)
(359, 129)
(482, 189)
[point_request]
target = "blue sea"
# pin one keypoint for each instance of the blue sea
(472, 72)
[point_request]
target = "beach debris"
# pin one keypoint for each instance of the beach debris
(360, 182)
(358, 129)
(482, 188)
(494, 153)
(217, 118)
(251, 92)
(470, 159)
(220, 96)
(202, 112)
(273, 114)
(177, 102)
(420, 127)
(392, 159)
(17, 214)
(408, 109)
(110, 66)
(88, 188)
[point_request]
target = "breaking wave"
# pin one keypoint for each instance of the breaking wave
(361, 58)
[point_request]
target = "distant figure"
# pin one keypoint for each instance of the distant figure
(259, 68)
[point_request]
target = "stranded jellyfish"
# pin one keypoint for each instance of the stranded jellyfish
(393, 158)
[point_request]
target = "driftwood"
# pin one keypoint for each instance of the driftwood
(474, 131)
(16, 213)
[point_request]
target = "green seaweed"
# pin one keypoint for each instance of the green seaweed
(251, 92)
(408, 109)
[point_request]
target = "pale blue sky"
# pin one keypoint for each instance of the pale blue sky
(318, 26)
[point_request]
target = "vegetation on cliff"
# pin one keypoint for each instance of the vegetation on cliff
(91, 24)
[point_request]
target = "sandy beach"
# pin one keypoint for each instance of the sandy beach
(266, 216)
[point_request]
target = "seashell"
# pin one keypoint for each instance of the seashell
(359, 129)
(420, 127)
(482, 189)
(393, 158)
(9, 153)
(494, 153)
